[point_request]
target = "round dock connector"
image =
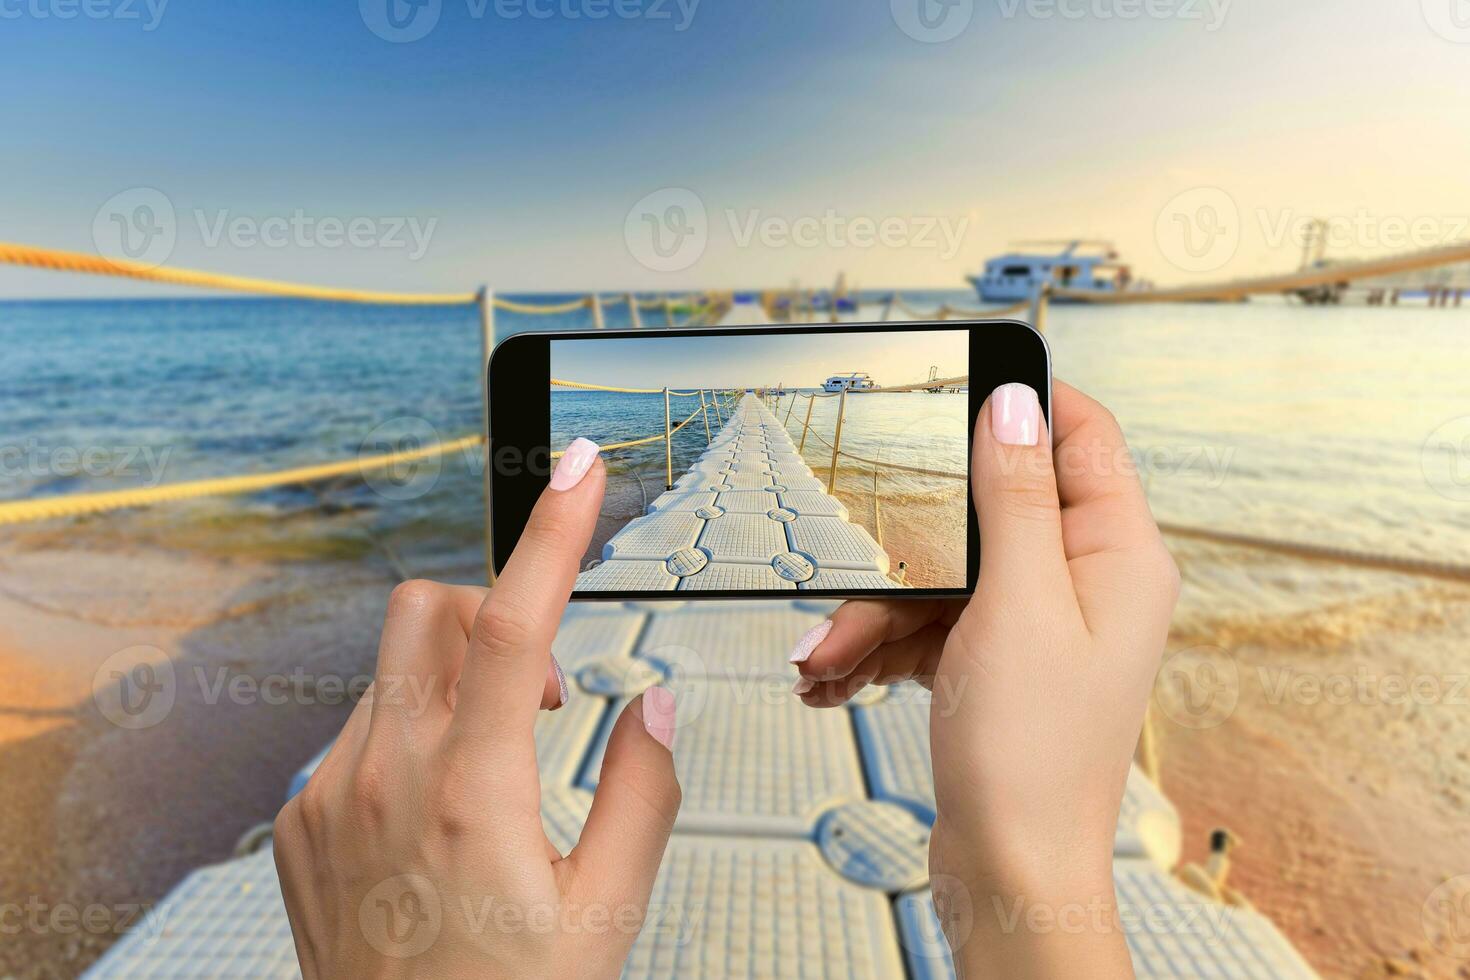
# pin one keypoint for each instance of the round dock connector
(710, 512)
(719, 487)
(793, 567)
(686, 562)
(614, 677)
(782, 514)
(775, 488)
(879, 845)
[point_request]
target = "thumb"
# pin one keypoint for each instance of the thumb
(1015, 488)
(634, 807)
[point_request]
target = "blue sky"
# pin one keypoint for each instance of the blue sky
(517, 145)
(796, 360)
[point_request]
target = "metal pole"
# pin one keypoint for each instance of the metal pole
(703, 411)
(595, 302)
(837, 439)
(788, 410)
(486, 301)
(668, 446)
(715, 398)
(810, 401)
(1038, 307)
(877, 518)
(668, 311)
(888, 306)
(633, 315)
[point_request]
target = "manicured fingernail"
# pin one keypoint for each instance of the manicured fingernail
(574, 464)
(561, 680)
(1015, 415)
(809, 642)
(658, 715)
(802, 685)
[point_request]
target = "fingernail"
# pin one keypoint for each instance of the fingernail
(809, 642)
(574, 464)
(802, 685)
(561, 679)
(658, 715)
(1015, 415)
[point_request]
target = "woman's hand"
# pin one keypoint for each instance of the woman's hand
(417, 847)
(1040, 683)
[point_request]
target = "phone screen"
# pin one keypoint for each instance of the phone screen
(816, 460)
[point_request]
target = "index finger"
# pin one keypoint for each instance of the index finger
(509, 649)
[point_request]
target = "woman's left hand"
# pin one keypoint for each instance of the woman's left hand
(417, 848)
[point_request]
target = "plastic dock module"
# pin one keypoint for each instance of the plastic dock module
(1171, 932)
(801, 847)
(894, 736)
(748, 514)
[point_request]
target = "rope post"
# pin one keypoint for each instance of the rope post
(715, 400)
(595, 303)
(837, 438)
(703, 410)
(943, 313)
(1148, 749)
(810, 401)
(668, 446)
(485, 299)
(888, 306)
(1039, 306)
(668, 311)
(633, 313)
(877, 520)
(788, 410)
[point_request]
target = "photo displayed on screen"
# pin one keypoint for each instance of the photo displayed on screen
(741, 495)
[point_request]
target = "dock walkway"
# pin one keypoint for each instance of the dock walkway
(748, 514)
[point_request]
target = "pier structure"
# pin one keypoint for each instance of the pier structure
(748, 514)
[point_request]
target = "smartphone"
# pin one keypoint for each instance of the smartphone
(821, 460)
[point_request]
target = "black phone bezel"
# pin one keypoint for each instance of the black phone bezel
(519, 458)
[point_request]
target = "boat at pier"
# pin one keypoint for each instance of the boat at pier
(1079, 265)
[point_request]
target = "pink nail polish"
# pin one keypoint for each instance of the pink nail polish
(802, 685)
(809, 642)
(1015, 415)
(561, 680)
(574, 464)
(658, 715)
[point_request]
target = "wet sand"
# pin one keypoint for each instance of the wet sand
(104, 818)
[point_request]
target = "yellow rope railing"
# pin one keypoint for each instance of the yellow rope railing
(20, 511)
(61, 261)
(639, 442)
(533, 309)
(560, 383)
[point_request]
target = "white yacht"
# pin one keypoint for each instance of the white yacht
(856, 381)
(1080, 265)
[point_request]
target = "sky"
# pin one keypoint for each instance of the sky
(802, 360)
(548, 145)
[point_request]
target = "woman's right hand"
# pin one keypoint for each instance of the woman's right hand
(1040, 683)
